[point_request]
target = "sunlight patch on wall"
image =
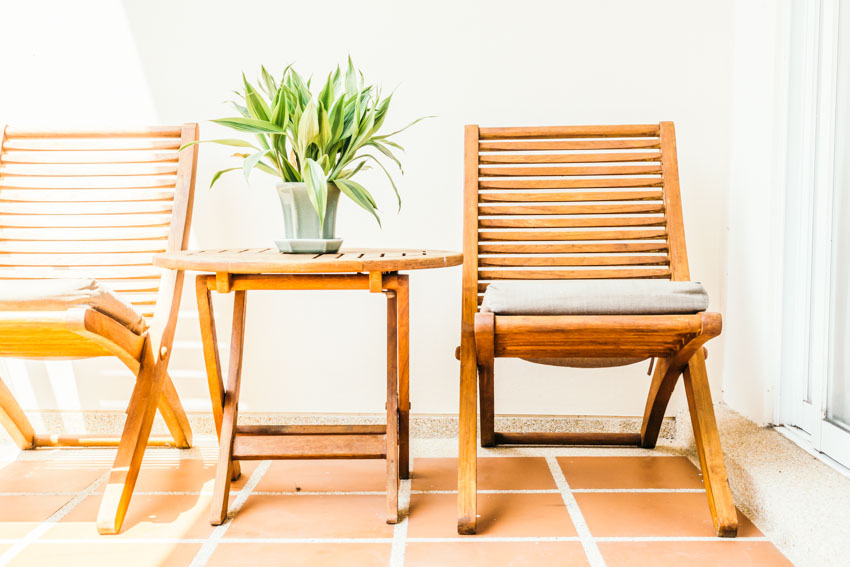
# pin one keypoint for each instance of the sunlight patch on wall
(83, 59)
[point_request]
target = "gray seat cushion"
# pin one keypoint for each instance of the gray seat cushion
(62, 294)
(594, 297)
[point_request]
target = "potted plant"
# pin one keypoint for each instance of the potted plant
(315, 144)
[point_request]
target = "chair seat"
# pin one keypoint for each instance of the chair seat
(62, 294)
(595, 297)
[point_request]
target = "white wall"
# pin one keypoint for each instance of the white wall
(754, 304)
(466, 62)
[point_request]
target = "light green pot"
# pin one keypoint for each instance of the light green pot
(301, 222)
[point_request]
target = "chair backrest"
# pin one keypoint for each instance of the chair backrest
(573, 202)
(97, 204)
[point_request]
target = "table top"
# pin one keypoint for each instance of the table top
(271, 261)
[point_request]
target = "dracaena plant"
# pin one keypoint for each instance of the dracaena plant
(317, 139)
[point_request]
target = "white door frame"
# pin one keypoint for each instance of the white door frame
(805, 352)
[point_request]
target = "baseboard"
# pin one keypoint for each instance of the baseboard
(423, 426)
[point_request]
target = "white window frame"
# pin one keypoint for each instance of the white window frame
(805, 354)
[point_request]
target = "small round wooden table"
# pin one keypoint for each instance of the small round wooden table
(238, 271)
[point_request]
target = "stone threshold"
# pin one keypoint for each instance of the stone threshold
(422, 426)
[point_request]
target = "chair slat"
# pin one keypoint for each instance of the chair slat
(566, 145)
(565, 171)
(569, 183)
(567, 209)
(13, 132)
(93, 195)
(614, 260)
(571, 274)
(582, 248)
(96, 272)
(83, 221)
(540, 236)
(562, 197)
(544, 132)
(131, 182)
(64, 260)
(88, 157)
(581, 222)
(568, 158)
(74, 234)
(90, 144)
(86, 169)
(84, 208)
(70, 246)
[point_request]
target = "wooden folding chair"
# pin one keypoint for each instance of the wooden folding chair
(98, 205)
(588, 203)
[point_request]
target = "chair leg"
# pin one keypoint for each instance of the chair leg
(468, 444)
(487, 394)
(403, 377)
(131, 449)
(392, 408)
(720, 502)
(667, 371)
(13, 419)
(174, 415)
(660, 390)
(484, 339)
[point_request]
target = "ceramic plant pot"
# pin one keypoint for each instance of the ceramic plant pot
(303, 234)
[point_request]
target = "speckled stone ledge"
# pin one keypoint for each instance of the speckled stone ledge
(421, 426)
(800, 502)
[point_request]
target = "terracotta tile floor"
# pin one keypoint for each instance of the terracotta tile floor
(538, 507)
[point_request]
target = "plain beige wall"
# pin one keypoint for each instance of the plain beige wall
(492, 63)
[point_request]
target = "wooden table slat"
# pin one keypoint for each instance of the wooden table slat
(270, 261)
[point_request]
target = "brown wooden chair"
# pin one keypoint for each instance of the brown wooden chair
(97, 205)
(580, 203)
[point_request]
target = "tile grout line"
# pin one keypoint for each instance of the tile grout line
(594, 556)
(388, 540)
(42, 528)
(636, 490)
(212, 541)
(716, 539)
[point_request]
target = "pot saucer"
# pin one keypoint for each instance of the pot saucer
(309, 245)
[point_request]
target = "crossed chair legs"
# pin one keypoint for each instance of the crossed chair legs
(478, 357)
(153, 390)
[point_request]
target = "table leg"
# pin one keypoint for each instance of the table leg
(209, 340)
(403, 378)
(224, 470)
(392, 407)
